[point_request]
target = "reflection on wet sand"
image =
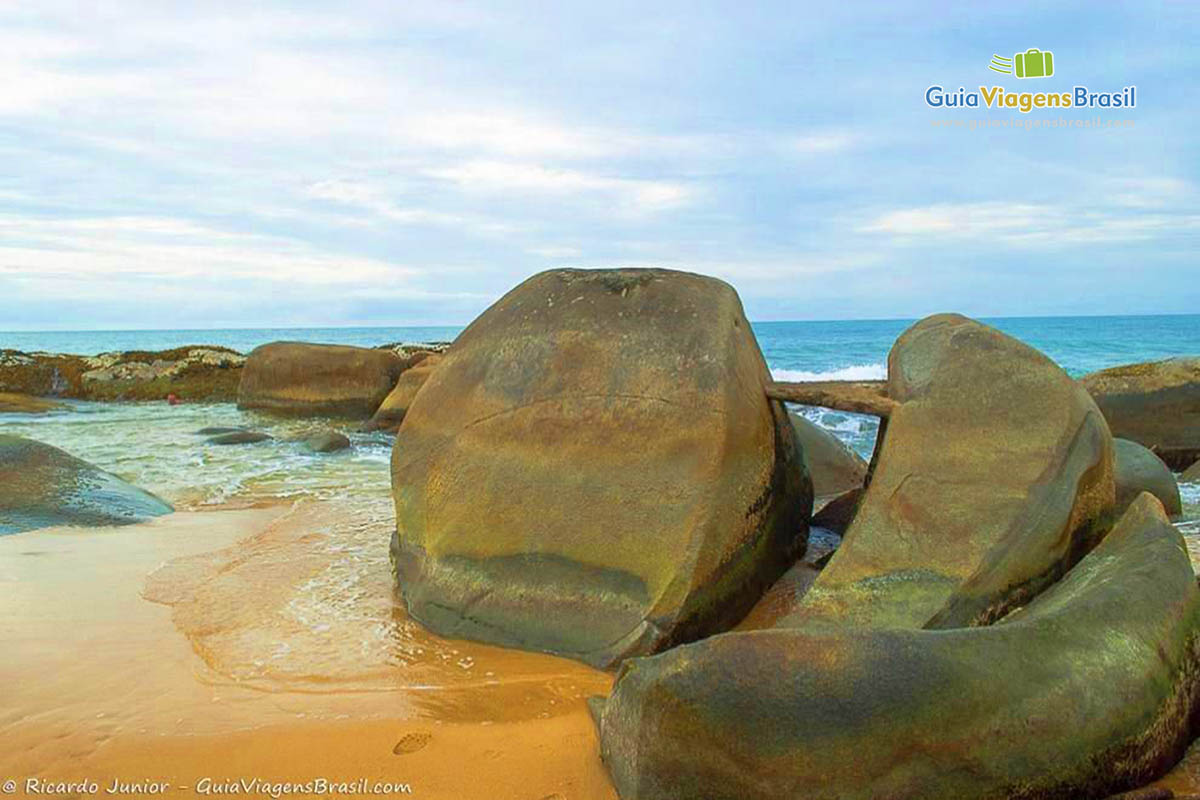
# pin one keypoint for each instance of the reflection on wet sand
(275, 647)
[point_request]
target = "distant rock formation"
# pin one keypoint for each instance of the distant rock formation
(1156, 404)
(303, 379)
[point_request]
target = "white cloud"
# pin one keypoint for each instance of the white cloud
(173, 250)
(499, 176)
(1024, 225)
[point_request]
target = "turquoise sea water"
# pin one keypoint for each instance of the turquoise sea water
(154, 445)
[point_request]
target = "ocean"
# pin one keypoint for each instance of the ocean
(154, 445)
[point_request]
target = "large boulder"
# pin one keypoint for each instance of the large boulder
(995, 475)
(1139, 470)
(1156, 404)
(834, 467)
(1086, 691)
(41, 486)
(391, 411)
(301, 379)
(594, 470)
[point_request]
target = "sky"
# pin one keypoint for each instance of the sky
(193, 165)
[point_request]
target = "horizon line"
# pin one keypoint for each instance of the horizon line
(464, 324)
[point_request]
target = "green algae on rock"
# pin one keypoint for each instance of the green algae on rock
(994, 476)
(1086, 691)
(194, 372)
(594, 470)
(41, 486)
(1156, 404)
(12, 403)
(302, 379)
(1139, 470)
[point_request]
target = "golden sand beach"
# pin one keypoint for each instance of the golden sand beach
(157, 656)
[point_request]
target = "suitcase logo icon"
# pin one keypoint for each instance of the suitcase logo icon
(1033, 63)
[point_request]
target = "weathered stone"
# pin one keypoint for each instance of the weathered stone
(1155, 404)
(391, 412)
(838, 513)
(327, 442)
(594, 470)
(300, 379)
(1086, 691)
(193, 372)
(41, 486)
(24, 404)
(239, 437)
(994, 476)
(1138, 470)
(834, 467)
(1191, 474)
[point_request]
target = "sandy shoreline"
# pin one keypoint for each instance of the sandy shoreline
(104, 684)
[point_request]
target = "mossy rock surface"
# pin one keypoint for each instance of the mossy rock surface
(594, 469)
(303, 379)
(42, 486)
(1088, 690)
(1156, 404)
(995, 475)
(196, 373)
(11, 403)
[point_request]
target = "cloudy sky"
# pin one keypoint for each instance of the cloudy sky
(258, 164)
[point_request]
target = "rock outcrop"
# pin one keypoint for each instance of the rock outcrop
(24, 404)
(834, 467)
(995, 475)
(192, 373)
(1155, 404)
(41, 486)
(1139, 470)
(301, 379)
(391, 412)
(1086, 691)
(594, 470)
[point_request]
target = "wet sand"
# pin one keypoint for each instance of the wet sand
(205, 648)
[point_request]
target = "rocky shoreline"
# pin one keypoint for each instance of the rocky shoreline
(601, 467)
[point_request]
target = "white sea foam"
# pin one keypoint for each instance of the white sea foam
(856, 372)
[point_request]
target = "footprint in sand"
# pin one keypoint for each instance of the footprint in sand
(411, 743)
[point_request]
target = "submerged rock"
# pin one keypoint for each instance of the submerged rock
(1086, 691)
(300, 379)
(24, 404)
(219, 429)
(1156, 404)
(1139, 470)
(41, 486)
(391, 412)
(327, 442)
(239, 437)
(995, 475)
(594, 470)
(834, 467)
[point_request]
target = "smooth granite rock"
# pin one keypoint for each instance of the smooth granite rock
(42, 486)
(1139, 470)
(1087, 690)
(301, 379)
(1156, 404)
(594, 470)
